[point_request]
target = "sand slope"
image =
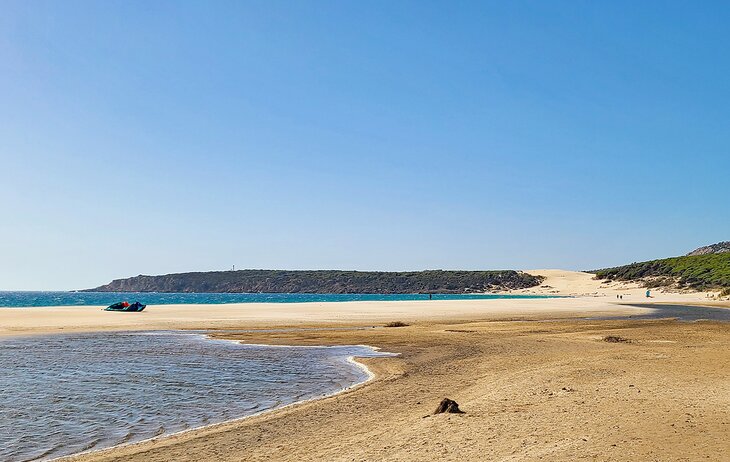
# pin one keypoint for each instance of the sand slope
(532, 391)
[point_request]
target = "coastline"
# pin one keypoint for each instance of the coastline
(212, 427)
(535, 388)
(374, 373)
(582, 294)
(48, 320)
(511, 378)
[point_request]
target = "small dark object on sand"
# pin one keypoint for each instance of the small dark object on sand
(615, 339)
(396, 324)
(448, 406)
(126, 307)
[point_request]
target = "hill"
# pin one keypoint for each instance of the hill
(720, 247)
(698, 272)
(330, 281)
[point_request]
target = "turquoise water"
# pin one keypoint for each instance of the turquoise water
(28, 299)
(65, 394)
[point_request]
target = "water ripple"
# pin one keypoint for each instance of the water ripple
(69, 393)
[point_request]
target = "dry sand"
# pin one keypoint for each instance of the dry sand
(532, 390)
(592, 298)
(67, 319)
(580, 284)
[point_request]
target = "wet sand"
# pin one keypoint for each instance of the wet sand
(550, 390)
(533, 387)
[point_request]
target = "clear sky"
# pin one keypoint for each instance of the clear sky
(156, 137)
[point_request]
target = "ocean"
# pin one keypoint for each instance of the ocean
(69, 393)
(30, 299)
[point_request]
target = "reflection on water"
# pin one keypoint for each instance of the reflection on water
(679, 312)
(65, 394)
(684, 312)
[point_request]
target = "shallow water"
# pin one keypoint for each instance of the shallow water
(29, 299)
(65, 394)
(681, 312)
(684, 313)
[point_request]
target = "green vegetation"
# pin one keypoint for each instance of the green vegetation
(700, 272)
(326, 282)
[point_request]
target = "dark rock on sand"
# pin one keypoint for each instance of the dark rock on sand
(448, 406)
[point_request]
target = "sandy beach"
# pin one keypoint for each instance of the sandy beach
(531, 391)
(293, 231)
(536, 382)
(584, 297)
(24, 321)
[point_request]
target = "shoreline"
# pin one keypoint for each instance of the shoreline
(511, 378)
(515, 366)
(371, 376)
(576, 294)
(332, 316)
(218, 426)
(43, 320)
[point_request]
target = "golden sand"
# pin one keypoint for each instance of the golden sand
(532, 387)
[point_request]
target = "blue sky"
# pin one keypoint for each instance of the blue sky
(156, 137)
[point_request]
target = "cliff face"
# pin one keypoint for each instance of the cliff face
(720, 247)
(336, 282)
